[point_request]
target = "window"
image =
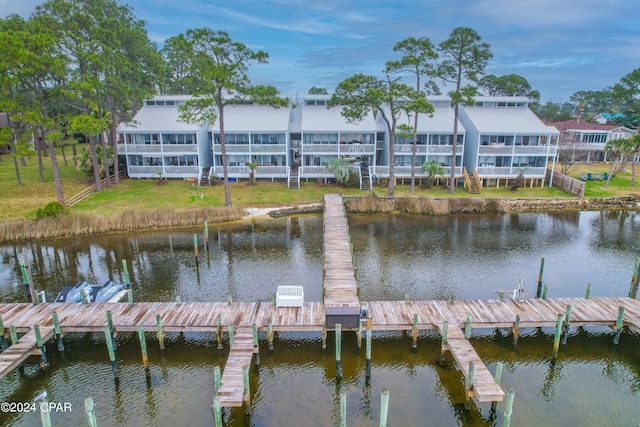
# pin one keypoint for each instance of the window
(267, 138)
(134, 160)
(321, 138)
(179, 138)
(233, 138)
(152, 161)
(187, 160)
(151, 138)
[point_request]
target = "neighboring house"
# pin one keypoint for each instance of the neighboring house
(253, 133)
(434, 142)
(157, 143)
(607, 118)
(320, 134)
(586, 141)
(504, 138)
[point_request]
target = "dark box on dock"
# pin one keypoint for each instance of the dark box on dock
(348, 317)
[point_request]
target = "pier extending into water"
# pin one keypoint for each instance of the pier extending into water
(243, 320)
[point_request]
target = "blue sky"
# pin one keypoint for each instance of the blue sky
(559, 46)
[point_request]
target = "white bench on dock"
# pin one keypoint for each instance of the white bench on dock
(290, 296)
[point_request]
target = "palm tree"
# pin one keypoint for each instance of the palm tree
(252, 174)
(341, 168)
(617, 150)
(432, 169)
(634, 150)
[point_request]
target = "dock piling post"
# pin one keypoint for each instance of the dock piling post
(545, 288)
(29, 275)
(414, 333)
(516, 330)
(231, 334)
(343, 409)
(219, 332)
(498, 378)
(112, 332)
(217, 411)
(57, 330)
(125, 273)
(467, 327)
(270, 333)
(324, 337)
(508, 407)
(14, 335)
(245, 379)
(256, 347)
(443, 346)
(217, 377)
(160, 331)
(384, 407)
(567, 324)
(540, 278)
(368, 349)
(587, 291)
(45, 416)
(3, 341)
(469, 385)
(338, 350)
(556, 338)
(633, 290)
(618, 328)
(178, 302)
(143, 348)
(40, 344)
(230, 299)
(206, 232)
(130, 295)
(83, 296)
(90, 409)
(112, 353)
(195, 246)
(359, 335)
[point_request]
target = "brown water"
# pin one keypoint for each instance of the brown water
(593, 382)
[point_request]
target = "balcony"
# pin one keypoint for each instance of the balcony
(539, 150)
(244, 171)
(156, 148)
(269, 148)
(405, 171)
(181, 171)
(144, 170)
(179, 148)
(339, 148)
(510, 172)
(444, 149)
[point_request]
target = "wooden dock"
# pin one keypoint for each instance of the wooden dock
(339, 275)
(340, 291)
(232, 391)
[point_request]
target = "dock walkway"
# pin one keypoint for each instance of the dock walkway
(18, 352)
(232, 391)
(339, 275)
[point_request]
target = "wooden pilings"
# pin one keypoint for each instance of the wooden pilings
(57, 331)
(587, 291)
(143, 349)
(160, 331)
(3, 341)
(498, 378)
(324, 337)
(125, 273)
(270, 333)
(195, 246)
(384, 407)
(556, 338)
(635, 278)
(90, 410)
(444, 346)
(467, 327)
(414, 332)
(545, 288)
(40, 345)
(343, 409)
(219, 332)
(469, 385)
(368, 347)
(29, 276)
(516, 330)
(618, 328)
(539, 291)
(217, 411)
(567, 324)
(111, 329)
(245, 379)
(338, 350)
(217, 377)
(508, 407)
(112, 353)
(256, 344)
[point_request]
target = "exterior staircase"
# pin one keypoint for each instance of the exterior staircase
(205, 177)
(472, 183)
(365, 178)
(294, 178)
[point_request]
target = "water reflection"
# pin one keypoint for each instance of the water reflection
(396, 255)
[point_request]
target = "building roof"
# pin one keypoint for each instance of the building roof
(441, 122)
(157, 119)
(580, 125)
(253, 118)
(319, 118)
(504, 120)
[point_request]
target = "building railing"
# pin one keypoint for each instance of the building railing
(509, 171)
(260, 172)
(153, 170)
(405, 171)
(179, 148)
(157, 148)
(489, 150)
(339, 148)
(251, 148)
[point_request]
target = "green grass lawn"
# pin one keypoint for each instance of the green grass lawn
(619, 185)
(145, 194)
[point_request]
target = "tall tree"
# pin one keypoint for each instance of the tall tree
(617, 151)
(627, 92)
(361, 94)
(464, 58)
(418, 58)
(318, 91)
(508, 85)
(219, 69)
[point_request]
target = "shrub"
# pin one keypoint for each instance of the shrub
(50, 210)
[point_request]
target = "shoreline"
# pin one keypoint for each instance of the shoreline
(82, 225)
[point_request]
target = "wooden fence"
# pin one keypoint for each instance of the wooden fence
(77, 198)
(568, 184)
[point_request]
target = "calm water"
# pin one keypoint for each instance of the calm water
(593, 382)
